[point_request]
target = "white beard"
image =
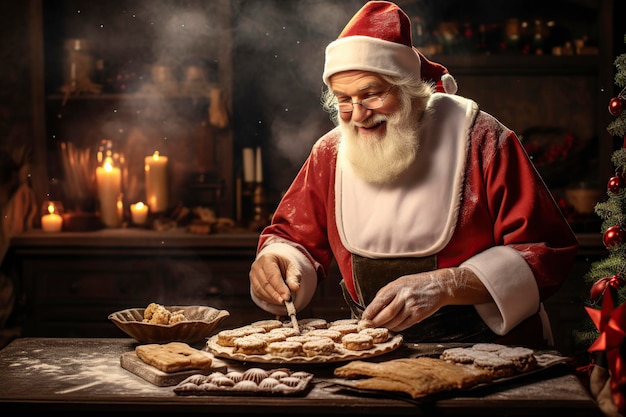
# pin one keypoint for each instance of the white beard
(377, 159)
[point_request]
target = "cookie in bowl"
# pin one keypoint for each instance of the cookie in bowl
(188, 324)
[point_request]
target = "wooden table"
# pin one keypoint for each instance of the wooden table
(84, 376)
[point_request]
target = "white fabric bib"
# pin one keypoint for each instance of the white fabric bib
(417, 215)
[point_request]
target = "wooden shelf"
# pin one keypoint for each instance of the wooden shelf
(502, 65)
(129, 238)
(123, 96)
(140, 120)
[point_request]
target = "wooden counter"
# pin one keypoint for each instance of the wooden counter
(69, 282)
(85, 376)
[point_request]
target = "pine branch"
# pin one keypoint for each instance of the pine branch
(618, 126)
(620, 74)
(619, 158)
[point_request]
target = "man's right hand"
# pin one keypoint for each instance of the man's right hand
(274, 278)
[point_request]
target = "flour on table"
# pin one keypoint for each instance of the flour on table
(85, 371)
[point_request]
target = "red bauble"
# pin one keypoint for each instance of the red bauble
(614, 235)
(616, 184)
(616, 105)
(616, 281)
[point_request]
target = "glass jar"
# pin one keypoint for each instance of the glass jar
(79, 65)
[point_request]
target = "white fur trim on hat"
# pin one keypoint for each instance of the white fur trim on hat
(449, 84)
(370, 54)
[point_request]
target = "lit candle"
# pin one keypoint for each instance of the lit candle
(156, 182)
(109, 180)
(258, 177)
(248, 165)
(139, 213)
(51, 222)
(120, 207)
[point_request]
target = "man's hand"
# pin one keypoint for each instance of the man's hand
(274, 278)
(412, 298)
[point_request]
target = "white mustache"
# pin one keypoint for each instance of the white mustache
(375, 121)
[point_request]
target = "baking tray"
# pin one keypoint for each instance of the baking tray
(341, 354)
(546, 363)
(285, 383)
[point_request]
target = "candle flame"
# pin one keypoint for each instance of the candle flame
(155, 155)
(108, 165)
(50, 208)
(139, 205)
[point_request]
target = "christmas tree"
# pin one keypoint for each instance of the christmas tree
(607, 277)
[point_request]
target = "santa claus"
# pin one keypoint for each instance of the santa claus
(440, 225)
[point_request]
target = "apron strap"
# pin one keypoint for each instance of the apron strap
(356, 309)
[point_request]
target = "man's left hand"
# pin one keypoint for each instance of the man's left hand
(412, 298)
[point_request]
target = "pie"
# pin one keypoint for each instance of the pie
(417, 377)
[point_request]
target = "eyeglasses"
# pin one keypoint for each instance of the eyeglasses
(370, 103)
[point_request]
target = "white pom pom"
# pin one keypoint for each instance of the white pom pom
(449, 84)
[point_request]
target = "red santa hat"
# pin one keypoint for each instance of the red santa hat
(378, 39)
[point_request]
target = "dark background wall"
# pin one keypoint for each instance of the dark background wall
(15, 87)
(278, 53)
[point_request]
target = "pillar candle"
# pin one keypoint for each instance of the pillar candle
(51, 222)
(156, 182)
(139, 213)
(248, 165)
(258, 167)
(109, 180)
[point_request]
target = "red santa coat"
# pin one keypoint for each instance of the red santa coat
(473, 198)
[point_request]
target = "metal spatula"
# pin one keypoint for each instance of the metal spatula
(291, 310)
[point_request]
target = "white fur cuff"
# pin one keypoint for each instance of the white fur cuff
(308, 283)
(511, 283)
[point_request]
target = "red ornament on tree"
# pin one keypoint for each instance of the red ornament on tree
(616, 105)
(616, 281)
(614, 235)
(616, 184)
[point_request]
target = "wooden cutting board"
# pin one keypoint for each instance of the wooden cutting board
(131, 362)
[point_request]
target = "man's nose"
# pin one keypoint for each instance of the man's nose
(359, 113)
